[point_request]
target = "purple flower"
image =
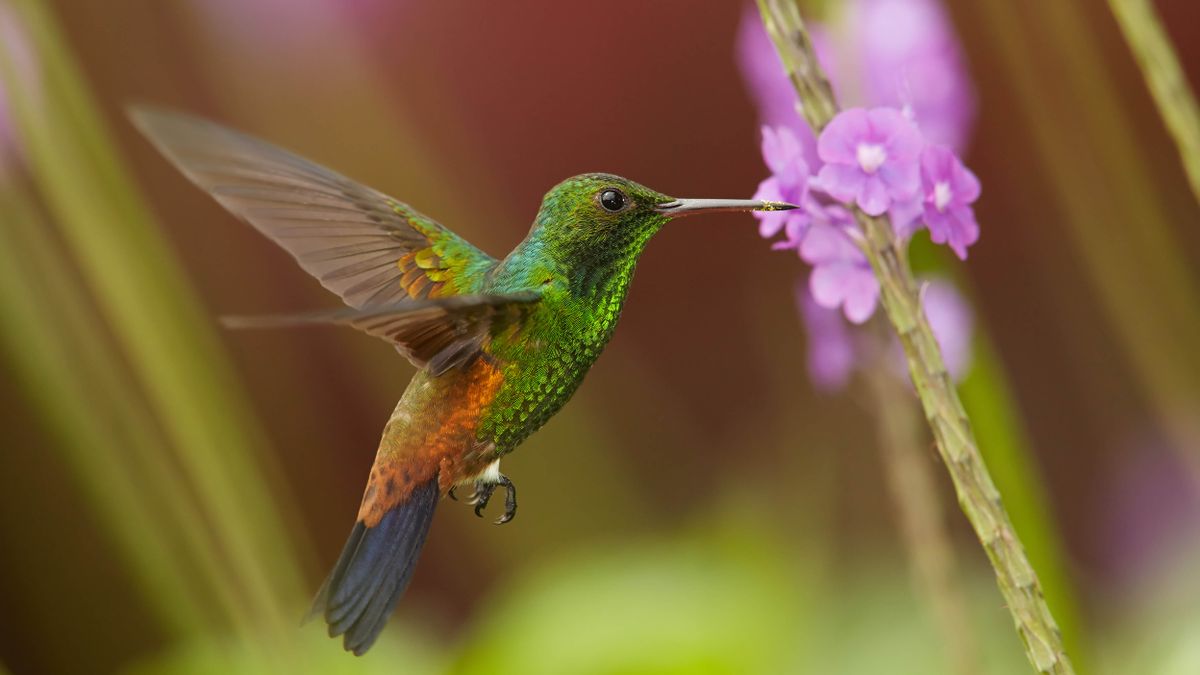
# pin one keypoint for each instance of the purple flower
(831, 347)
(909, 57)
(788, 183)
(906, 217)
(776, 100)
(871, 158)
(294, 32)
(905, 55)
(1149, 514)
(841, 276)
(950, 189)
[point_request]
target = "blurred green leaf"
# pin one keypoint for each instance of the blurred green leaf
(706, 605)
(158, 322)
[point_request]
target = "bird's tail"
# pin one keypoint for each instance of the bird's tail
(374, 569)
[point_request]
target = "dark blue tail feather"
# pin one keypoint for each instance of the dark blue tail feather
(374, 570)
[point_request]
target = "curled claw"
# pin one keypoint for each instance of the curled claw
(450, 493)
(483, 495)
(510, 500)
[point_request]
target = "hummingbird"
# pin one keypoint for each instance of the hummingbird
(499, 345)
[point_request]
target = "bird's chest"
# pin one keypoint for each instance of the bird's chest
(545, 366)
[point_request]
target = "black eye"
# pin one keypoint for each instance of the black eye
(612, 200)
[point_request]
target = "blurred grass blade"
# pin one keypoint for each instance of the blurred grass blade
(57, 368)
(1120, 225)
(170, 346)
(1165, 78)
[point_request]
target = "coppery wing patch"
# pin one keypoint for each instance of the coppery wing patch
(368, 248)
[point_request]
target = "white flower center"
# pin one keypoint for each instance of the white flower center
(871, 156)
(942, 195)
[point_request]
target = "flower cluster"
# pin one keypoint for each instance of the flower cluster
(893, 156)
(878, 161)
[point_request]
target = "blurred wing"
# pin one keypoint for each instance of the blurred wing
(361, 244)
(438, 334)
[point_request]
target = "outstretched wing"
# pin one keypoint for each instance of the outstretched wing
(361, 244)
(437, 334)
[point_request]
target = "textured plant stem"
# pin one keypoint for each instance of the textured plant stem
(1164, 76)
(910, 478)
(977, 495)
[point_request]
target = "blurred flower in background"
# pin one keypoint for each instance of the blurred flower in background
(835, 350)
(1152, 512)
(904, 53)
(952, 322)
(898, 53)
(18, 56)
(294, 27)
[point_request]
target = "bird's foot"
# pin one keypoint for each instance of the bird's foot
(483, 494)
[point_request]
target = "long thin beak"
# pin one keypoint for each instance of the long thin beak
(686, 207)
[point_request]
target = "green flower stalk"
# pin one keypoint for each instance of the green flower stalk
(1165, 78)
(900, 297)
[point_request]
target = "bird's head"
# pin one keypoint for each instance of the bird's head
(598, 220)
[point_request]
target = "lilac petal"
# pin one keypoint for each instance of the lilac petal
(937, 163)
(769, 190)
(771, 224)
(838, 143)
(831, 352)
(862, 293)
(906, 142)
(906, 217)
(938, 223)
(873, 198)
(884, 122)
(903, 179)
(796, 227)
(964, 231)
(846, 285)
(908, 55)
(776, 148)
(767, 80)
(825, 243)
(843, 182)
(964, 183)
(955, 227)
(828, 284)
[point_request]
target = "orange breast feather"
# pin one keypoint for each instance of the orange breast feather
(432, 431)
